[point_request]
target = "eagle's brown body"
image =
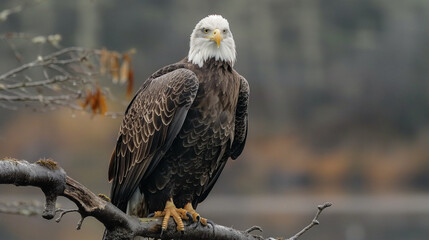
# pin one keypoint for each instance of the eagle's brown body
(177, 134)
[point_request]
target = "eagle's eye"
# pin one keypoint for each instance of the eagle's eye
(224, 31)
(205, 30)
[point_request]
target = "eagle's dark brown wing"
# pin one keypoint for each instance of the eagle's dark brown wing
(151, 123)
(241, 119)
(240, 135)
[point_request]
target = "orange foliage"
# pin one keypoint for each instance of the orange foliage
(114, 66)
(96, 100)
(127, 73)
(125, 67)
(104, 58)
(130, 82)
(110, 61)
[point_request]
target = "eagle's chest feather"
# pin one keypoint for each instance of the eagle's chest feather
(217, 94)
(212, 115)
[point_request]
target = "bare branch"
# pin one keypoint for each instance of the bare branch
(39, 98)
(315, 221)
(53, 181)
(48, 60)
(17, 55)
(56, 79)
(21, 68)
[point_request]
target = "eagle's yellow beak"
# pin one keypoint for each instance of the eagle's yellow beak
(216, 37)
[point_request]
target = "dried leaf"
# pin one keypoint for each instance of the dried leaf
(96, 100)
(102, 103)
(114, 67)
(87, 99)
(125, 68)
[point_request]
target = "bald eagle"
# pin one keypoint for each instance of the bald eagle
(184, 123)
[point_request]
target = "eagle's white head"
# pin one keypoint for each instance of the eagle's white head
(212, 38)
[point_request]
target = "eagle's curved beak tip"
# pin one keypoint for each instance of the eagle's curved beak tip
(217, 37)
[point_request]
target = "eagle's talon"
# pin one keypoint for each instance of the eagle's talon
(158, 214)
(203, 221)
(189, 217)
(195, 216)
(150, 215)
(213, 226)
(170, 210)
(210, 222)
(183, 214)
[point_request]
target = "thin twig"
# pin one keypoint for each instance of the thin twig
(72, 49)
(315, 221)
(79, 224)
(56, 79)
(64, 212)
(15, 51)
(21, 68)
(38, 98)
(48, 60)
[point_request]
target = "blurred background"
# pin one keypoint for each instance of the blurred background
(339, 111)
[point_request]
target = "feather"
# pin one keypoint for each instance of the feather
(128, 167)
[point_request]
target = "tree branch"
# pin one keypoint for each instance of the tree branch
(315, 221)
(54, 182)
(56, 79)
(48, 60)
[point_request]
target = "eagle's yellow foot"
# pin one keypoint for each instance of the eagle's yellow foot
(195, 216)
(177, 213)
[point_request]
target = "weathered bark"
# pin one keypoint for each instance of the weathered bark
(54, 182)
